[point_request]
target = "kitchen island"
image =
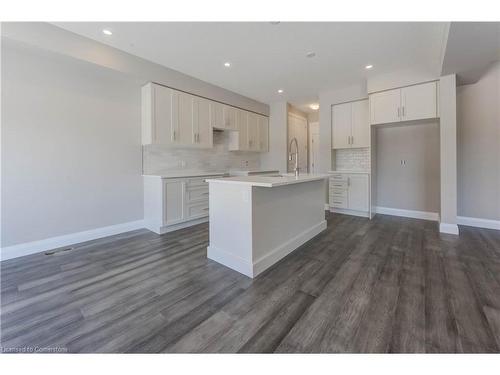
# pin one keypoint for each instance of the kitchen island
(257, 220)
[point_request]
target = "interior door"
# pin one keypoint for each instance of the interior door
(360, 124)
(297, 127)
(357, 192)
(419, 101)
(385, 107)
(314, 147)
(341, 125)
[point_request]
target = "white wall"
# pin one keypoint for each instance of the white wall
(478, 123)
(71, 154)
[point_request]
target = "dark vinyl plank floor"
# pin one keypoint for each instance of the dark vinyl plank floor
(389, 285)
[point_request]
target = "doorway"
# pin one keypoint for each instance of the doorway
(297, 127)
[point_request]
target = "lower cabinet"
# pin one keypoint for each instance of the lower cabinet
(175, 203)
(350, 193)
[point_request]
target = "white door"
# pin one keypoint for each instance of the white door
(385, 107)
(360, 125)
(419, 101)
(313, 147)
(357, 192)
(162, 116)
(341, 125)
(202, 128)
(173, 210)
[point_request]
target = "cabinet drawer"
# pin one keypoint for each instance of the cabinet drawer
(197, 210)
(338, 177)
(200, 193)
(196, 182)
(338, 192)
(338, 184)
(338, 202)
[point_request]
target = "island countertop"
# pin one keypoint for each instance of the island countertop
(270, 181)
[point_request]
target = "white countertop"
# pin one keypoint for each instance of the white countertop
(251, 172)
(183, 174)
(269, 181)
(351, 171)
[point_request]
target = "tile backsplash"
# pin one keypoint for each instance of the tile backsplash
(158, 159)
(352, 159)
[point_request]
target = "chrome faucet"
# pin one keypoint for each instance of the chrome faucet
(290, 155)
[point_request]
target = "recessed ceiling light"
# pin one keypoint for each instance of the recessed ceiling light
(107, 32)
(280, 91)
(227, 64)
(310, 54)
(368, 66)
(274, 22)
(314, 106)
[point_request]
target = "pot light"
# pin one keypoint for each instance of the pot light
(280, 91)
(310, 54)
(368, 66)
(107, 32)
(274, 22)
(227, 64)
(314, 106)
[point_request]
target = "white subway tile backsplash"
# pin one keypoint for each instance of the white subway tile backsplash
(352, 159)
(158, 159)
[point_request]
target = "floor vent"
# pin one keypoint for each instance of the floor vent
(58, 251)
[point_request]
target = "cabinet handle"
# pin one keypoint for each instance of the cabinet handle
(174, 135)
(403, 109)
(399, 111)
(348, 181)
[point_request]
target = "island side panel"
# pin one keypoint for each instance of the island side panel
(230, 223)
(284, 218)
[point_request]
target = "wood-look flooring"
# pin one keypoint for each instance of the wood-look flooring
(386, 285)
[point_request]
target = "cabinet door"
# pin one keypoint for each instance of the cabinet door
(360, 125)
(419, 101)
(229, 117)
(357, 192)
(385, 107)
(202, 128)
(162, 126)
(216, 115)
(185, 119)
(242, 130)
(253, 132)
(173, 193)
(341, 125)
(264, 134)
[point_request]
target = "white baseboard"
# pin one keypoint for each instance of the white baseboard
(479, 223)
(28, 248)
(448, 228)
(425, 215)
(246, 267)
(162, 229)
(350, 212)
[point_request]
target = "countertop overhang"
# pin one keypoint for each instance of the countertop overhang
(269, 181)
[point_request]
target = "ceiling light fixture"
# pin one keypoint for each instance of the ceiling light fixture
(227, 64)
(314, 106)
(310, 54)
(280, 91)
(107, 32)
(368, 66)
(274, 22)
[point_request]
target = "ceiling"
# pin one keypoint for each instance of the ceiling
(267, 56)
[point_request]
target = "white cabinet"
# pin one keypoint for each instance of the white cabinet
(253, 132)
(419, 101)
(229, 117)
(202, 134)
(349, 193)
(410, 103)
(350, 126)
(263, 134)
(174, 203)
(157, 115)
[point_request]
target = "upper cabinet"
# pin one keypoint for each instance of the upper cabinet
(350, 127)
(415, 102)
(176, 118)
